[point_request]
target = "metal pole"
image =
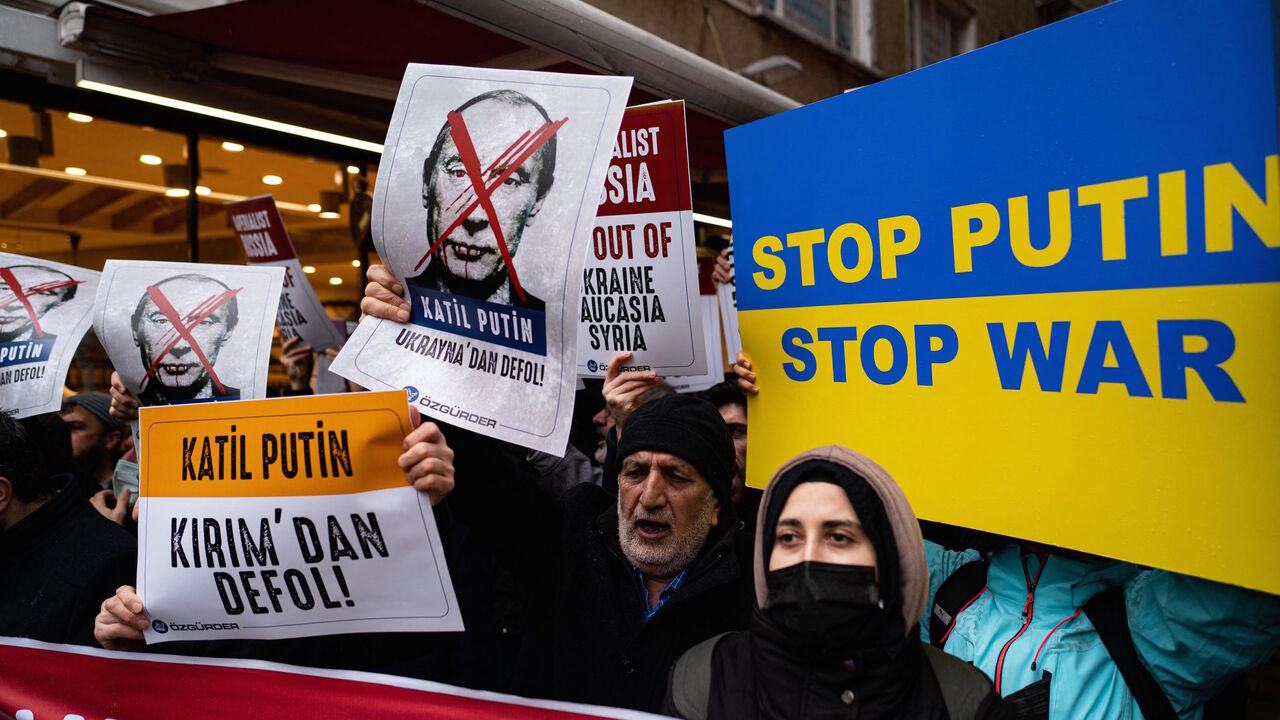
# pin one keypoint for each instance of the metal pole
(193, 200)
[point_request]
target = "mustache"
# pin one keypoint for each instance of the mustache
(663, 516)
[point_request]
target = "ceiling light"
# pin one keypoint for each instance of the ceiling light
(330, 215)
(314, 207)
(712, 220)
(128, 185)
(232, 147)
(80, 117)
(3, 134)
(202, 190)
(150, 159)
(232, 116)
(76, 171)
(308, 269)
(335, 281)
(272, 179)
(355, 263)
(353, 170)
(177, 192)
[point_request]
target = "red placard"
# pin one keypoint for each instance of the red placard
(260, 229)
(650, 167)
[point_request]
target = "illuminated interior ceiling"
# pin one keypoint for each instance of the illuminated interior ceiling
(119, 207)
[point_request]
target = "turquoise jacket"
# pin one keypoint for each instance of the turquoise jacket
(1193, 635)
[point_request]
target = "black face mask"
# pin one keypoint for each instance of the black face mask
(823, 610)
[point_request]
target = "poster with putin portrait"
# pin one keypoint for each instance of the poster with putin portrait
(188, 332)
(486, 200)
(45, 309)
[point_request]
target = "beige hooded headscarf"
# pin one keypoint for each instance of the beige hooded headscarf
(913, 570)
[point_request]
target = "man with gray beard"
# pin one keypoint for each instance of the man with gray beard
(640, 579)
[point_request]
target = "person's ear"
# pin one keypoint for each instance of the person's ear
(6, 493)
(715, 511)
(116, 443)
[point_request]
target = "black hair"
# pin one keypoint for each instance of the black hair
(34, 455)
(726, 393)
(233, 309)
(511, 97)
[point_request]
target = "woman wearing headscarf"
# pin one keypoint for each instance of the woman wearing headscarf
(840, 584)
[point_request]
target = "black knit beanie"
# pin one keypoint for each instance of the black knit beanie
(689, 428)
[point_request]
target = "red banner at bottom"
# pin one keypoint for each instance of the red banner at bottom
(41, 681)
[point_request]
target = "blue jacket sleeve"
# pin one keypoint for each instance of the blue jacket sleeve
(942, 562)
(1195, 635)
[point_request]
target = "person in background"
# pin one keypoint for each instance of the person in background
(58, 556)
(299, 361)
(731, 402)
(840, 584)
(97, 440)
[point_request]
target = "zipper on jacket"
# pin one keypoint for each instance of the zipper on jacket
(1027, 610)
(1044, 642)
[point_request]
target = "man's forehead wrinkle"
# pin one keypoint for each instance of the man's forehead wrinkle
(495, 125)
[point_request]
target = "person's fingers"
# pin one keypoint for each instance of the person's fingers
(414, 416)
(136, 505)
(383, 296)
(437, 487)
(331, 353)
(288, 344)
(630, 384)
(122, 507)
(382, 308)
(124, 406)
(648, 377)
(417, 453)
(426, 432)
(101, 499)
(746, 378)
(111, 633)
(381, 275)
(615, 365)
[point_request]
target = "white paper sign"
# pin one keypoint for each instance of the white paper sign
(486, 196)
(728, 293)
(45, 309)
(188, 332)
(640, 281)
(286, 517)
(260, 229)
(709, 308)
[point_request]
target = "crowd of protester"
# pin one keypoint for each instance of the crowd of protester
(639, 571)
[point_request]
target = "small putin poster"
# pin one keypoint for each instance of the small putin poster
(45, 309)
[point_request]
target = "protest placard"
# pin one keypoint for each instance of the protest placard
(1052, 312)
(708, 307)
(728, 294)
(44, 680)
(45, 309)
(258, 225)
(188, 332)
(285, 518)
(640, 281)
(486, 195)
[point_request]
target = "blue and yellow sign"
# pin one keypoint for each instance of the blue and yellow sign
(1040, 283)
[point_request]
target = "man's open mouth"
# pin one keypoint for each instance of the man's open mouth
(468, 252)
(651, 530)
(177, 369)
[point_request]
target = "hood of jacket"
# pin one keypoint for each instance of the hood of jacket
(913, 568)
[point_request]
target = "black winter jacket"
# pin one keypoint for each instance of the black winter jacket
(57, 565)
(592, 643)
